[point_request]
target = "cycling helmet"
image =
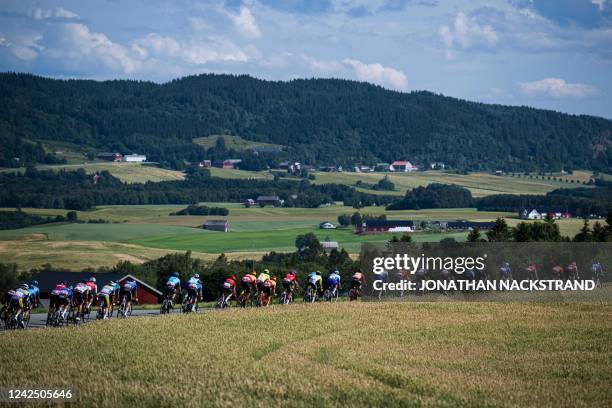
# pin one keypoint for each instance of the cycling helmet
(63, 283)
(111, 282)
(24, 286)
(234, 277)
(337, 272)
(175, 274)
(318, 273)
(266, 271)
(92, 279)
(294, 273)
(34, 283)
(197, 276)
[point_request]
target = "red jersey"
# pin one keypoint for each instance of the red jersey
(249, 278)
(290, 277)
(92, 286)
(231, 282)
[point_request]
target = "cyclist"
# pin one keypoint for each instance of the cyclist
(532, 271)
(598, 273)
(557, 271)
(54, 299)
(357, 281)
(21, 302)
(106, 295)
(81, 296)
(173, 285)
(315, 280)
(572, 271)
(290, 283)
(248, 283)
(128, 290)
(262, 279)
(194, 291)
(230, 284)
(34, 293)
(64, 298)
(269, 289)
(333, 283)
(93, 289)
(505, 272)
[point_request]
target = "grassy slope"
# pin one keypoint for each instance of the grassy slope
(127, 172)
(480, 184)
(232, 142)
(361, 354)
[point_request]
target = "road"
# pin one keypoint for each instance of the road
(38, 320)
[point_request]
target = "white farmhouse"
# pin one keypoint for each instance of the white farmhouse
(134, 158)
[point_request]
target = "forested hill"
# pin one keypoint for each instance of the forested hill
(321, 121)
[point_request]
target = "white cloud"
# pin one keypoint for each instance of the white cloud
(45, 14)
(192, 52)
(466, 33)
(24, 47)
(557, 88)
(245, 23)
(75, 43)
(378, 74)
(323, 67)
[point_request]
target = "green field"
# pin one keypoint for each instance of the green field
(480, 184)
(141, 233)
(391, 354)
(232, 142)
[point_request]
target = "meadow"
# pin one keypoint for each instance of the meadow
(141, 233)
(358, 354)
(480, 184)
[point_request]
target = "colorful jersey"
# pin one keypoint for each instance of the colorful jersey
(66, 293)
(290, 277)
(596, 267)
(93, 288)
(263, 277)
(358, 276)
(270, 284)
(173, 282)
(107, 290)
(34, 292)
(230, 282)
(333, 279)
(314, 278)
(81, 288)
(129, 286)
(532, 268)
(20, 294)
(194, 283)
(250, 278)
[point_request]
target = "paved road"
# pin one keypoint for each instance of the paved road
(38, 320)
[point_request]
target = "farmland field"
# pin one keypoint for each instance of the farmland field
(480, 184)
(127, 172)
(361, 354)
(232, 142)
(140, 233)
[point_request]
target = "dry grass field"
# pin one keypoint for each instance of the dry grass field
(391, 354)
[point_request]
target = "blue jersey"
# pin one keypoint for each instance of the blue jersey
(173, 282)
(333, 279)
(130, 286)
(194, 283)
(34, 292)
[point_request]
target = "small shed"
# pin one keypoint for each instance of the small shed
(328, 246)
(217, 225)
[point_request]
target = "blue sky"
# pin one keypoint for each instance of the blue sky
(554, 54)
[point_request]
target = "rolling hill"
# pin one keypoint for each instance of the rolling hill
(320, 121)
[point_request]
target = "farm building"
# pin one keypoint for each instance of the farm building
(249, 202)
(328, 246)
(226, 164)
(202, 164)
(269, 200)
(402, 166)
(534, 214)
(114, 157)
(327, 225)
(386, 226)
(146, 294)
(217, 225)
(134, 158)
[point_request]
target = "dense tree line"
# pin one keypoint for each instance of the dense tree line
(321, 121)
(202, 210)
(20, 219)
(76, 190)
(434, 196)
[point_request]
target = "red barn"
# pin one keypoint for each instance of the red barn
(146, 294)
